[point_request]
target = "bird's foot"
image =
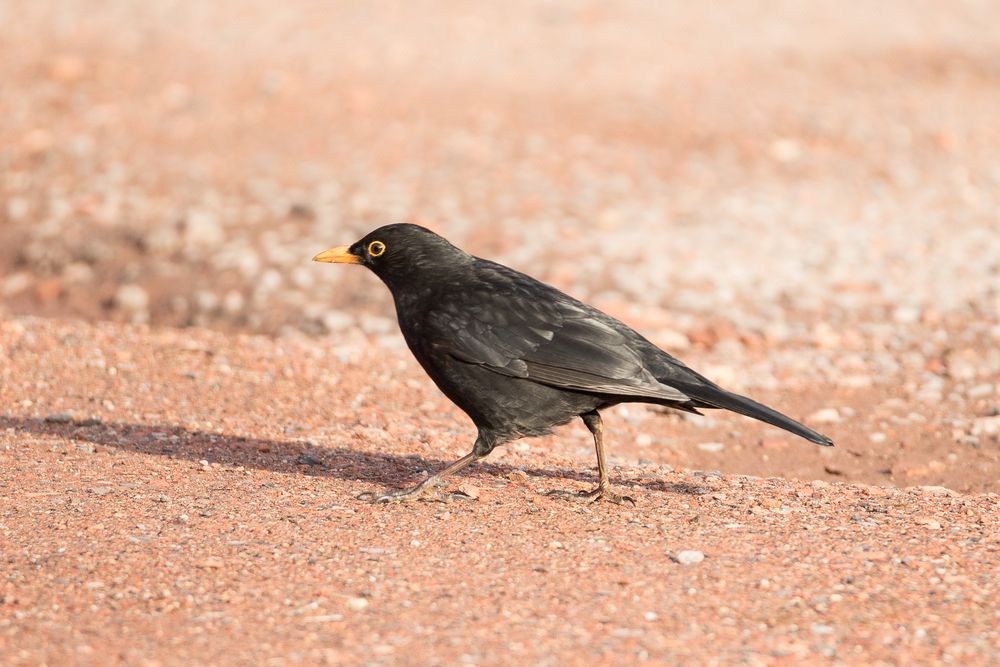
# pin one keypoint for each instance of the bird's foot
(594, 495)
(402, 496)
(424, 492)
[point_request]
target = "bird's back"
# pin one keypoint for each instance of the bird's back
(514, 325)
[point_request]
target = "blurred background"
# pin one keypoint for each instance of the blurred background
(795, 194)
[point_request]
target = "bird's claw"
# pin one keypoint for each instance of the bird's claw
(616, 498)
(411, 495)
(594, 495)
(372, 497)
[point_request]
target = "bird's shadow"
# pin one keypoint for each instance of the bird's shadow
(292, 456)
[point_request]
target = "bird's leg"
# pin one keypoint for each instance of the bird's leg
(420, 490)
(603, 490)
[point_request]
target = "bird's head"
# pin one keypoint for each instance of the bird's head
(398, 254)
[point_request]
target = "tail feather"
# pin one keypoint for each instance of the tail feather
(715, 397)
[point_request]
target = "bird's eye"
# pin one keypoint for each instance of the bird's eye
(376, 248)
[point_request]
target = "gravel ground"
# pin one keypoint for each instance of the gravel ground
(172, 497)
(800, 200)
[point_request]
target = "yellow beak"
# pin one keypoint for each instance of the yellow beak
(339, 255)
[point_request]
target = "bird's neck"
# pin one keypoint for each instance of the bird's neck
(420, 280)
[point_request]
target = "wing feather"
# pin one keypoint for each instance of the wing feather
(533, 331)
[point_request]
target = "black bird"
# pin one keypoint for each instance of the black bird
(520, 357)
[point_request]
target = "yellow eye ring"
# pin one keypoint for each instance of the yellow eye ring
(376, 248)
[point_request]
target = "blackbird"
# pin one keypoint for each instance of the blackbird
(520, 357)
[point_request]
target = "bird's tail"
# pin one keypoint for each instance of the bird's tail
(709, 396)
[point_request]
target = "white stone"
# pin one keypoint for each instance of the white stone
(203, 228)
(132, 298)
(986, 425)
(825, 416)
(688, 557)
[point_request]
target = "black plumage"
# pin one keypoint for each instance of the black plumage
(520, 357)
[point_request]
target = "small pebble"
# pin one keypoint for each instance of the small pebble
(357, 604)
(517, 476)
(59, 418)
(689, 557)
(906, 314)
(930, 522)
(981, 391)
(935, 491)
(824, 416)
(131, 298)
(986, 425)
(202, 228)
(305, 459)
(470, 490)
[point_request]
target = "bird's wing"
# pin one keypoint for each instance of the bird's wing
(529, 330)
